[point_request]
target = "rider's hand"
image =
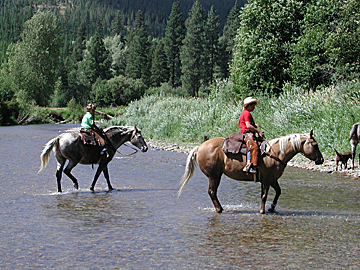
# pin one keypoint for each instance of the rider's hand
(261, 134)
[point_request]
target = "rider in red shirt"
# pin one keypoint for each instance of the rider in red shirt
(249, 129)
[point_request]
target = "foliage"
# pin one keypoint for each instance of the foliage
(262, 53)
(330, 112)
(97, 60)
(159, 68)
(192, 52)
(173, 40)
(211, 44)
(31, 65)
(119, 90)
(138, 64)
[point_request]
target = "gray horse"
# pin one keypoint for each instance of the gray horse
(69, 146)
(354, 139)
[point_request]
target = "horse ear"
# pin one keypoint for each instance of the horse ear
(311, 133)
(135, 128)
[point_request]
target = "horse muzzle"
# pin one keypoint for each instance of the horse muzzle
(319, 161)
(144, 149)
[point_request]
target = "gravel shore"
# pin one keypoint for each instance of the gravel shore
(298, 161)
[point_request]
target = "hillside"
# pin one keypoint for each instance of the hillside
(13, 13)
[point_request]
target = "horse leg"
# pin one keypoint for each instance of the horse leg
(353, 151)
(59, 169)
(214, 183)
(102, 168)
(67, 171)
(264, 194)
(106, 174)
(277, 189)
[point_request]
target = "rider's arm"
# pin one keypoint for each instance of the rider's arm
(253, 129)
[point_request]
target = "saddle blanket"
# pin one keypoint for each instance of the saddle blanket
(87, 138)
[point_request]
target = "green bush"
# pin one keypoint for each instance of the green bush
(119, 90)
(330, 112)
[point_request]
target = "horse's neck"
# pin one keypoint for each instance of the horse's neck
(289, 153)
(117, 141)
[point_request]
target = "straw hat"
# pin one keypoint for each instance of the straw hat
(249, 100)
(90, 107)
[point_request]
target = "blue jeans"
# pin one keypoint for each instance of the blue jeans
(248, 157)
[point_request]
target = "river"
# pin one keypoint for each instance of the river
(139, 225)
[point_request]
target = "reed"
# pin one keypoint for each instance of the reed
(330, 112)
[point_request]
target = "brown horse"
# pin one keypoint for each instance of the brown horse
(69, 146)
(213, 162)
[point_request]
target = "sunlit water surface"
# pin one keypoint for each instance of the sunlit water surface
(140, 226)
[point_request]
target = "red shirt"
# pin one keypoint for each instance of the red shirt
(245, 117)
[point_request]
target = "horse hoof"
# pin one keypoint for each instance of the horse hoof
(111, 188)
(76, 186)
(92, 189)
(219, 210)
(271, 210)
(262, 212)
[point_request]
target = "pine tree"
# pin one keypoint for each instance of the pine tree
(159, 68)
(98, 60)
(80, 43)
(211, 44)
(231, 26)
(192, 52)
(174, 35)
(138, 64)
(117, 24)
(227, 40)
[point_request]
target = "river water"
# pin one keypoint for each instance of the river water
(140, 226)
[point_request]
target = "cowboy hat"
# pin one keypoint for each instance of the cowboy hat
(249, 100)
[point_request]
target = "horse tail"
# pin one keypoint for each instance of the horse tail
(44, 157)
(337, 153)
(189, 170)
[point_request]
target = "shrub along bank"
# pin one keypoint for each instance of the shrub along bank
(330, 112)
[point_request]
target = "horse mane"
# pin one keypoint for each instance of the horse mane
(294, 139)
(123, 129)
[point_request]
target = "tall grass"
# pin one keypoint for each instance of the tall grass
(330, 112)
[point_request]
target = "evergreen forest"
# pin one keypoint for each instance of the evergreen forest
(56, 53)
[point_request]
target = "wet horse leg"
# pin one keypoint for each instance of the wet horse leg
(59, 169)
(67, 171)
(277, 189)
(214, 183)
(353, 144)
(264, 194)
(106, 174)
(101, 168)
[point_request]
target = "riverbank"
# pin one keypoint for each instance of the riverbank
(329, 165)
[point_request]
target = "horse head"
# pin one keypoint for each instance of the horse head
(138, 140)
(311, 149)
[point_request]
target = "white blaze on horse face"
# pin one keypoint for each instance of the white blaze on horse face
(138, 140)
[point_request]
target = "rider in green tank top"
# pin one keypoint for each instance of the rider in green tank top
(88, 124)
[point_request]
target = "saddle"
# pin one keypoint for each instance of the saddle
(88, 138)
(234, 144)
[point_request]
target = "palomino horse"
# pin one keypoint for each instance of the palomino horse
(354, 139)
(213, 162)
(69, 146)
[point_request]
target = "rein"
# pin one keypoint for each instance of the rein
(272, 156)
(136, 150)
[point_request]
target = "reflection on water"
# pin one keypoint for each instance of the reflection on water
(140, 226)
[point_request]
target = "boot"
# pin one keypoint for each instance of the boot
(104, 152)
